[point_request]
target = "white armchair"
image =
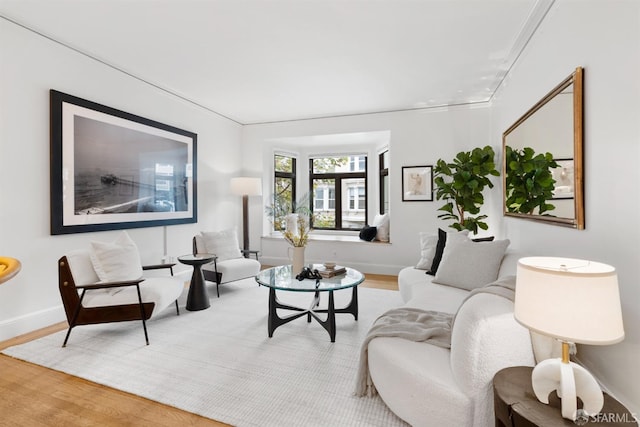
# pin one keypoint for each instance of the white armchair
(231, 263)
(105, 284)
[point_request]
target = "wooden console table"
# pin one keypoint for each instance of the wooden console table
(516, 405)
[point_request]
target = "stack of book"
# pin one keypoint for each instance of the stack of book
(331, 272)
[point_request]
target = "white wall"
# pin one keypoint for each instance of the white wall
(416, 138)
(31, 65)
(604, 38)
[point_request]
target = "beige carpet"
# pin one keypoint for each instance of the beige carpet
(221, 364)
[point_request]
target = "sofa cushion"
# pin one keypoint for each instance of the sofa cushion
(428, 243)
(415, 380)
(117, 260)
(442, 242)
(469, 265)
(442, 298)
(223, 244)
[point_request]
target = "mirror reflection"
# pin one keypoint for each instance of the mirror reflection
(542, 159)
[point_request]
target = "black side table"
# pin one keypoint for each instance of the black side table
(516, 405)
(197, 298)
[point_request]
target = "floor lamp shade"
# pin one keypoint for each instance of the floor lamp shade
(244, 186)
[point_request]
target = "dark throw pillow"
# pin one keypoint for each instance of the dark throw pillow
(483, 239)
(442, 241)
(368, 233)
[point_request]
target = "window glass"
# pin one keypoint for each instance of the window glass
(284, 191)
(343, 180)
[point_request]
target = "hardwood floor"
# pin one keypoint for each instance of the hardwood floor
(35, 396)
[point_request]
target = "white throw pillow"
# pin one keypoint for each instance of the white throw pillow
(428, 243)
(223, 244)
(117, 261)
(468, 265)
(443, 237)
(381, 222)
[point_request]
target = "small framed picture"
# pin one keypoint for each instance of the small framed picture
(563, 175)
(417, 183)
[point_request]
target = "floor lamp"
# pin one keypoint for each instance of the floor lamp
(573, 301)
(245, 187)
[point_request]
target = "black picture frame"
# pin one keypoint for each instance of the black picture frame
(417, 183)
(114, 170)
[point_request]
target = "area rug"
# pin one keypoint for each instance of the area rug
(221, 364)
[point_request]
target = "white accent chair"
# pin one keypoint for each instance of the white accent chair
(88, 300)
(231, 263)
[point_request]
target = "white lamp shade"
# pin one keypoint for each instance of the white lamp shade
(569, 299)
(245, 186)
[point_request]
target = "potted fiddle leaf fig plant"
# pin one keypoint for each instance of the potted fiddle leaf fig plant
(460, 183)
(529, 183)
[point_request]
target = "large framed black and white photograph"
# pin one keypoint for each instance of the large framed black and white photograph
(114, 170)
(417, 183)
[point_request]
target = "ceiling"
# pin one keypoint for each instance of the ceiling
(257, 61)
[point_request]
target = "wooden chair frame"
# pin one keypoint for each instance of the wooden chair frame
(79, 315)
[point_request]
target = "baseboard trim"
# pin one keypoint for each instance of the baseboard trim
(21, 325)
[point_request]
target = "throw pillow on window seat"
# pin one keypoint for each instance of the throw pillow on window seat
(368, 233)
(381, 222)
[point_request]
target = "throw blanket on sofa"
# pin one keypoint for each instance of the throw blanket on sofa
(419, 325)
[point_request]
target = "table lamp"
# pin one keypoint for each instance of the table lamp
(573, 301)
(245, 187)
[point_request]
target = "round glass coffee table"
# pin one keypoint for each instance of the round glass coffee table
(281, 278)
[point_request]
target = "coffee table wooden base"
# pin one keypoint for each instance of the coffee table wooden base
(329, 324)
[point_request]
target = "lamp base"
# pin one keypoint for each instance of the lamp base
(571, 381)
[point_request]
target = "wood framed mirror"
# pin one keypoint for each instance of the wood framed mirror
(542, 170)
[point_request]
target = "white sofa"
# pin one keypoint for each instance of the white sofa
(427, 385)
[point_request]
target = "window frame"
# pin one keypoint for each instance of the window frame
(337, 187)
(285, 175)
(383, 172)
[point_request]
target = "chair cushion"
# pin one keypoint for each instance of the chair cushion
(81, 267)
(116, 261)
(224, 244)
(162, 291)
(235, 269)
